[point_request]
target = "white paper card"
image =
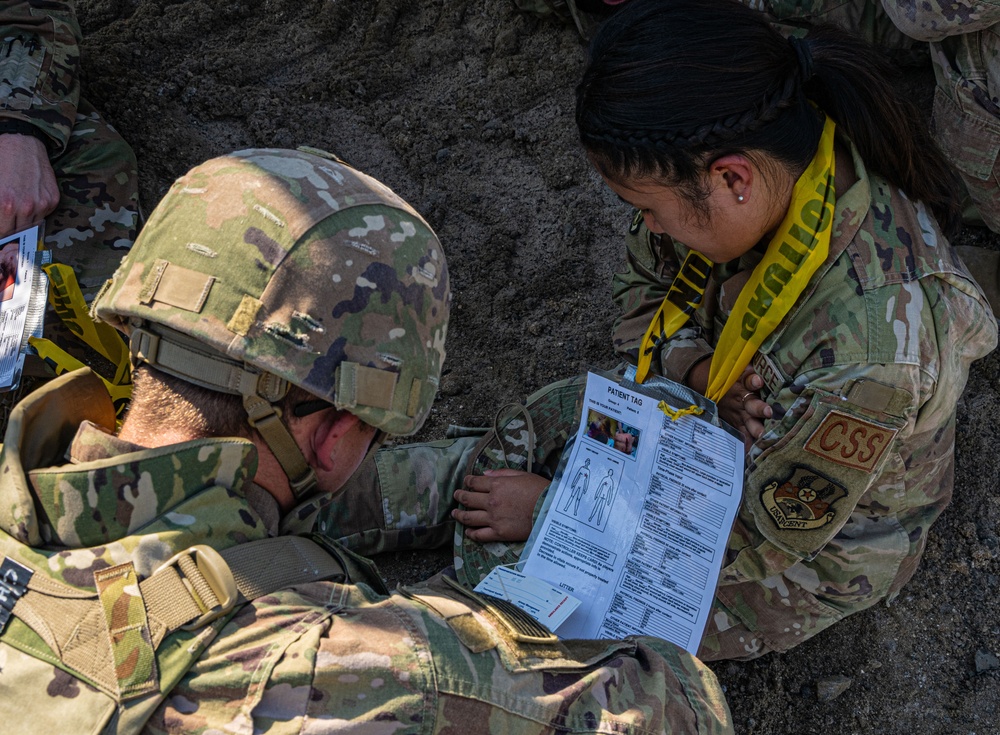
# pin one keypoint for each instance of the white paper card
(17, 274)
(640, 518)
(549, 605)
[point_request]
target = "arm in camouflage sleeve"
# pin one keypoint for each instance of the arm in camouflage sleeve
(649, 270)
(39, 60)
(858, 460)
(401, 498)
(796, 495)
(934, 20)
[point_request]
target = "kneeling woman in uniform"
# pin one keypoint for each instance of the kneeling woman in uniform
(787, 188)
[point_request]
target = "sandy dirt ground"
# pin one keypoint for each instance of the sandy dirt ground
(466, 110)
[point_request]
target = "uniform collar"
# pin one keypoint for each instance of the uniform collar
(93, 443)
(113, 488)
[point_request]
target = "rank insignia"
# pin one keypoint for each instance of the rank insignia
(803, 501)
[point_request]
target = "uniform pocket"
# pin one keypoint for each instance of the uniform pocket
(522, 645)
(968, 135)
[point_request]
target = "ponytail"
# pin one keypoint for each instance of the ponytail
(857, 86)
(672, 86)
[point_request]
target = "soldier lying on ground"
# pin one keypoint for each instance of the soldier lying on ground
(284, 298)
(826, 271)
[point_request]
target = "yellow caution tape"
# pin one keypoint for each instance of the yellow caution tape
(796, 252)
(67, 300)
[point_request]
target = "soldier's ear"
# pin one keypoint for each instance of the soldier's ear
(325, 437)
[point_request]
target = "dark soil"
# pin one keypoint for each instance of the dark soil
(466, 110)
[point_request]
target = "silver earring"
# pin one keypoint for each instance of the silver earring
(739, 198)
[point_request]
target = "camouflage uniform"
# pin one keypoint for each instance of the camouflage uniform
(320, 657)
(334, 653)
(857, 462)
(863, 377)
(867, 18)
(965, 51)
(96, 219)
(402, 497)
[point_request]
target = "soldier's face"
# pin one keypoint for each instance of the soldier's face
(345, 456)
(722, 234)
(334, 444)
(741, 206)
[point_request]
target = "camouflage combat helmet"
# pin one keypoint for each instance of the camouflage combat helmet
(266, 268)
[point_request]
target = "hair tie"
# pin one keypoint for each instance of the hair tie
(804, 57)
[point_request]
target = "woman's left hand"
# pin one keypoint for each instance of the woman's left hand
(743, 408)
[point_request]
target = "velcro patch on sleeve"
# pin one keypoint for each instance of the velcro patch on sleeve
(804, 488)
(804, 500)
(850, 441)
(768, 370)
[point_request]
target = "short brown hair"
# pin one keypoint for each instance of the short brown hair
(160, 399)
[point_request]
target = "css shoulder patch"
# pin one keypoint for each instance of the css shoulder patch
(850, 441)
(803, 501)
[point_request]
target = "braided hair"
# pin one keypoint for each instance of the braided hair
(670, 86)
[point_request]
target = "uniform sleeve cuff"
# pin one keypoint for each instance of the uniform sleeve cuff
(20, 127)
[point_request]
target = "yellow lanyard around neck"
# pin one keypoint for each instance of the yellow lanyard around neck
(800, 246)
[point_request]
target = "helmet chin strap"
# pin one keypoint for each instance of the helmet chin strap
(377, 441)
(265, 417)
(184, 358)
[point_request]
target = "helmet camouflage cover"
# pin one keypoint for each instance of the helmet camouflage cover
(293, 265)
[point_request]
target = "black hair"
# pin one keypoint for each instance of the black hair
(672, 85)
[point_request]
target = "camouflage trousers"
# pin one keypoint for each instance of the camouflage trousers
(402, 497)
(97, 217)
